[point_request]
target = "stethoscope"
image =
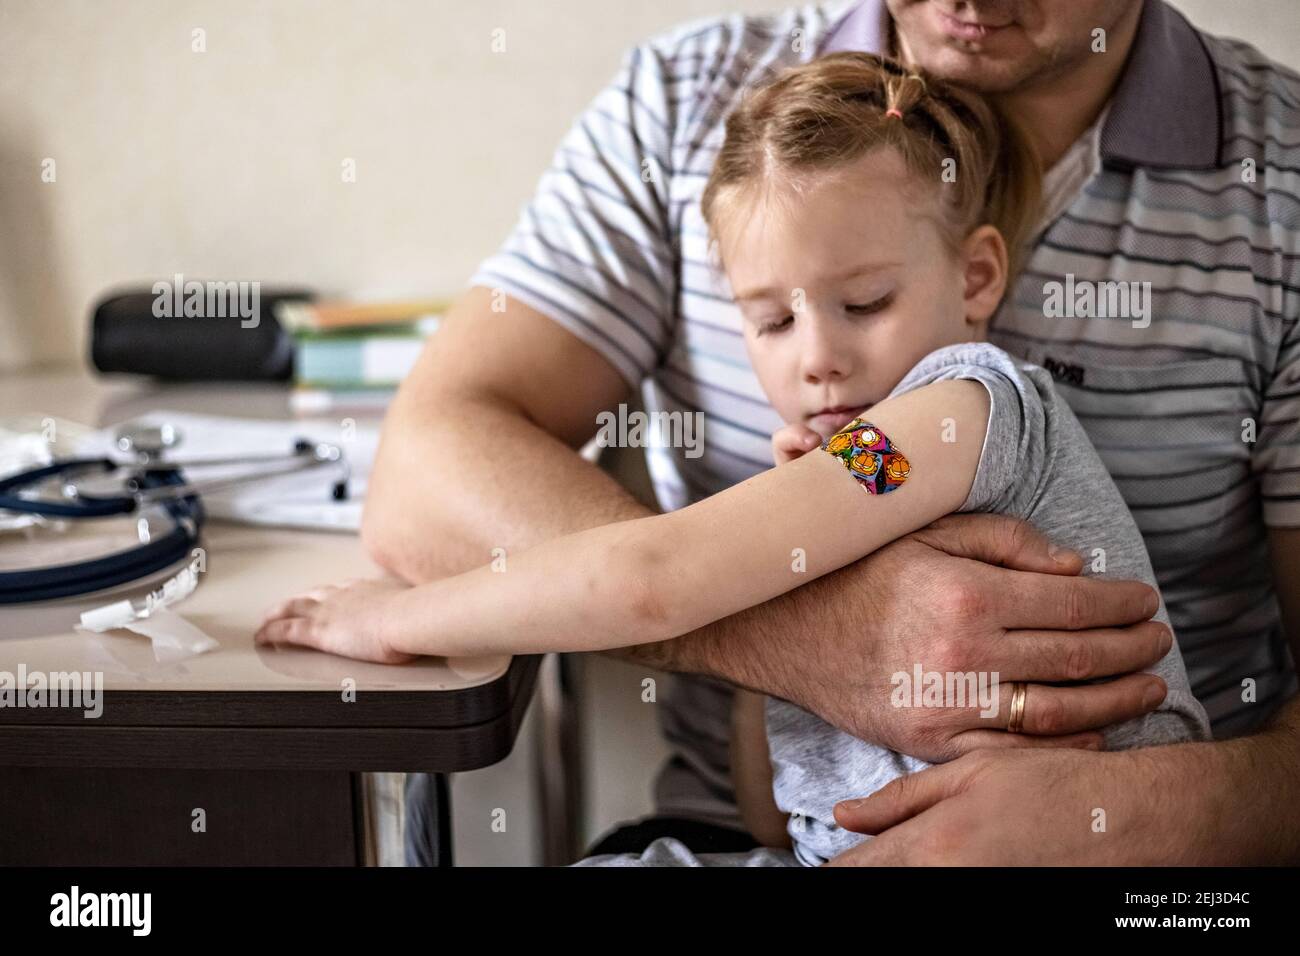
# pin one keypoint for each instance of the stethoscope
(151, 480)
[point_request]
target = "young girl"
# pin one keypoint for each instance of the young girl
(867, 220)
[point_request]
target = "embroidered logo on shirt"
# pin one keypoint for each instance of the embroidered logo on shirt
(869, 456)
(1064, 371)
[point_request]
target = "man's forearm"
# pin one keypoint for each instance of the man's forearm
(1239, 799)
(1263, 816)
(451, 487)
(750, 649)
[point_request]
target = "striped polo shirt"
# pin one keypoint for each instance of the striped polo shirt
(1196, 412)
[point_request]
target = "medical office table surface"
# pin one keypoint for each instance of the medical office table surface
(240, 707)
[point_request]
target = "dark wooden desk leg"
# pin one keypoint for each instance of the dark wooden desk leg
(442, 784)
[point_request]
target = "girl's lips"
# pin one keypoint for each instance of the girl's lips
(828, 423)
(965, 30)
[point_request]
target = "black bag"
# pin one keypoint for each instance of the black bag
(148, 333)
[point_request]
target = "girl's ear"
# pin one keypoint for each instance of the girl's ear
(984, 255)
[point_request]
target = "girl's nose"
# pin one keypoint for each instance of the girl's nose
(823, 357)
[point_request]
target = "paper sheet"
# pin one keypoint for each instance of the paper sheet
(299, 500)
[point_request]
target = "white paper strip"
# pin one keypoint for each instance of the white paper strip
(173, 637)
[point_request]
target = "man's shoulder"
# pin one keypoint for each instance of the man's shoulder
(1259, 97)
(1243, 62)
(1259, 103)
(702, 66)
(725, 33)
(716, 58)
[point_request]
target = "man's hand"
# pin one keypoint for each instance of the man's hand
(979, 593)
(1030, 808)
(1227, 803)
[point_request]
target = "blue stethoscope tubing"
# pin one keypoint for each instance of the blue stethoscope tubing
(66, 580)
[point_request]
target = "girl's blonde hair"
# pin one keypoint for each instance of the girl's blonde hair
(833, 110)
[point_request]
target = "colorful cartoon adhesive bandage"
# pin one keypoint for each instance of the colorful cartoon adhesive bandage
(869, 456)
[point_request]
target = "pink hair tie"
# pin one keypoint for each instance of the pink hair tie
(894, 113)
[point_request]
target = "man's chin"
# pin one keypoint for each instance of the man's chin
(981, 72)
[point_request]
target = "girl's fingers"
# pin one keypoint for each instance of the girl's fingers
(799, 437)
(294, 607)
(793, 441)
(291, 630)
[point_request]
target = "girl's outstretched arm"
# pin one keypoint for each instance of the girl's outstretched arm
(659, 577)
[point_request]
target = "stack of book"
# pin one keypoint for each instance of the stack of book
(349, 356)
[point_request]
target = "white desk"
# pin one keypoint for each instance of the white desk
(240, 709)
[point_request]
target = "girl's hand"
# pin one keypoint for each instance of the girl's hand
(793, 441)
(353, 619)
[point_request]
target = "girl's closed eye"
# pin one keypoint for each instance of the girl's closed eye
(868, 308)
(878, 305)
(765, 328)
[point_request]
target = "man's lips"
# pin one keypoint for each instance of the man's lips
(968, 29)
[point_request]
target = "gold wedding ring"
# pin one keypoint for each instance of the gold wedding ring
(1017, 721)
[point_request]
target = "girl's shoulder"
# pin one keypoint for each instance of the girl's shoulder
(972, 360)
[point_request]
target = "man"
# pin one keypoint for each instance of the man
(1173, 159)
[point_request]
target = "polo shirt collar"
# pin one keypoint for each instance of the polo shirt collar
(1165, 111)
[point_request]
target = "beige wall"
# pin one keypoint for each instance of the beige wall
(226, 164)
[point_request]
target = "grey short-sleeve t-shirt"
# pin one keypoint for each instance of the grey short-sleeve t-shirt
(1036, 463)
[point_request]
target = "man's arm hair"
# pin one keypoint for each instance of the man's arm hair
(736, 648)
(478, 447)
(1250, 790)
(1249, 786)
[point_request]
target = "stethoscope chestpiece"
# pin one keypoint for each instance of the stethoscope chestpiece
(146, 442)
